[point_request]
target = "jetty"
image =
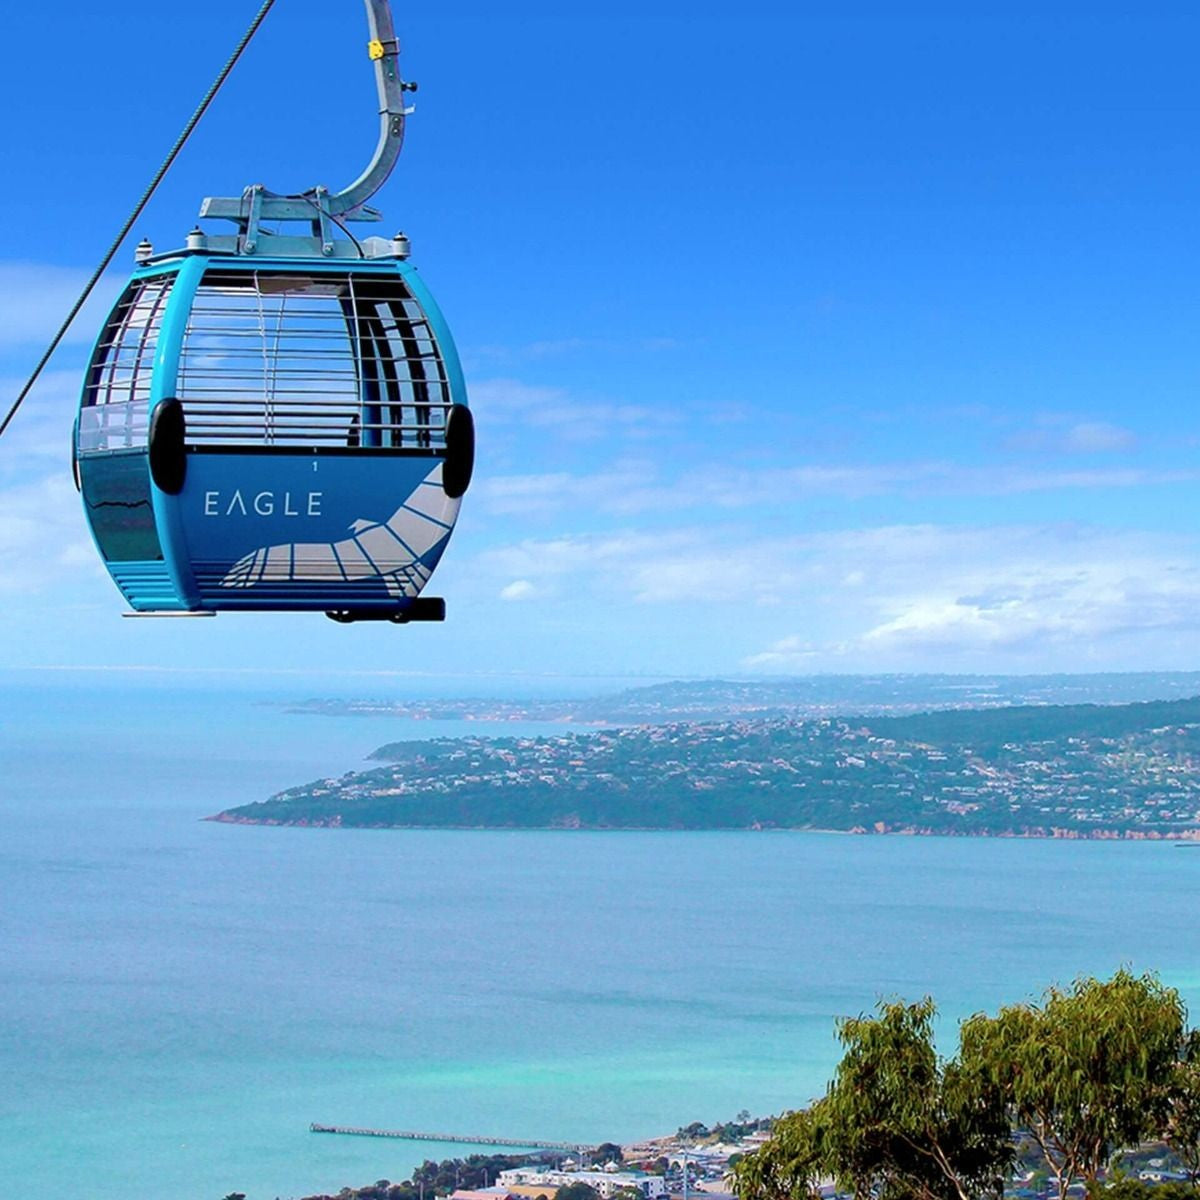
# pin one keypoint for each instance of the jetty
(469, 1139)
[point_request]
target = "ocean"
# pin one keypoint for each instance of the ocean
(179, 999)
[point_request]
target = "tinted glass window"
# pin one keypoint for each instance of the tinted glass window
(116, 490)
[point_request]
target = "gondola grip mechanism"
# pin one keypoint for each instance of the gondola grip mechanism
(318, 205)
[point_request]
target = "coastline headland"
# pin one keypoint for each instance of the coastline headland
(1082, 771)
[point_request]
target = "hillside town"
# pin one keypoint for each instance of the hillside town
(696, 1163)
(1130, 771)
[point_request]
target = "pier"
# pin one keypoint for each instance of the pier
(469, 1139)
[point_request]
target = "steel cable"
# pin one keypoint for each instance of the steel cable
(159, 175)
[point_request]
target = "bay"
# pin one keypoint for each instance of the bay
(179, 999)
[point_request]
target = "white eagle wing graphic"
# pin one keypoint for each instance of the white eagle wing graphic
(386, 550)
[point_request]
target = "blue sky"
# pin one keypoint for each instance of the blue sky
(801, 338)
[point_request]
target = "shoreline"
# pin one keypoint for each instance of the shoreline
(1184, 837)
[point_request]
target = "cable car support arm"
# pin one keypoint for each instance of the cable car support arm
(318, 205)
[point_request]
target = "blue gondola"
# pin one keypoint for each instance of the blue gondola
(279, 422)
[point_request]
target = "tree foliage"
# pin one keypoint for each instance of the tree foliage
(433, 1179)
(1138, 1189)
(790, 1165)
(577, 1191)
(1092, 1069)
(1086, 1072)
(898, 1122)
(1182, 1131)
(901, 1122)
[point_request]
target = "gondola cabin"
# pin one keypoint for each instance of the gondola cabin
(274, 434)
(277, 421)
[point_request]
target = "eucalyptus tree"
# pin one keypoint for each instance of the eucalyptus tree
(1182, 1132)
(790, 1165)
(898, 1122)
(901, 1121)
(1086, 1072)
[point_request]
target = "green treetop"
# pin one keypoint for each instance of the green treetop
(1093, 1069)
(1087, 1071)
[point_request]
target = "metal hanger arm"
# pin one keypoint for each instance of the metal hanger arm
(385, 50)
(317, 204)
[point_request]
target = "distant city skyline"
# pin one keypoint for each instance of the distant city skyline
(828, 338)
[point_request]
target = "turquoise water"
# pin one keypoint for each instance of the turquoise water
(179, 999)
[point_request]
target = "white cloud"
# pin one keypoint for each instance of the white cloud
(550, 559)
(519, 589)
(36, 297)
(1057, 434)
(792, 653)
(625, 487)
(709, 567)
(904, 597)
(34, 300)
(507, 400)
(632, 486)
(44, 539)
(1093, 437)
(42, 427)
(560, 347)
(553, 411)
(1017, 594)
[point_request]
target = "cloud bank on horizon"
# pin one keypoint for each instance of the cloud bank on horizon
(839, 398)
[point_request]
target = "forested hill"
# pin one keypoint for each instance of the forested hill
(990, 729)
(1085, 770)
